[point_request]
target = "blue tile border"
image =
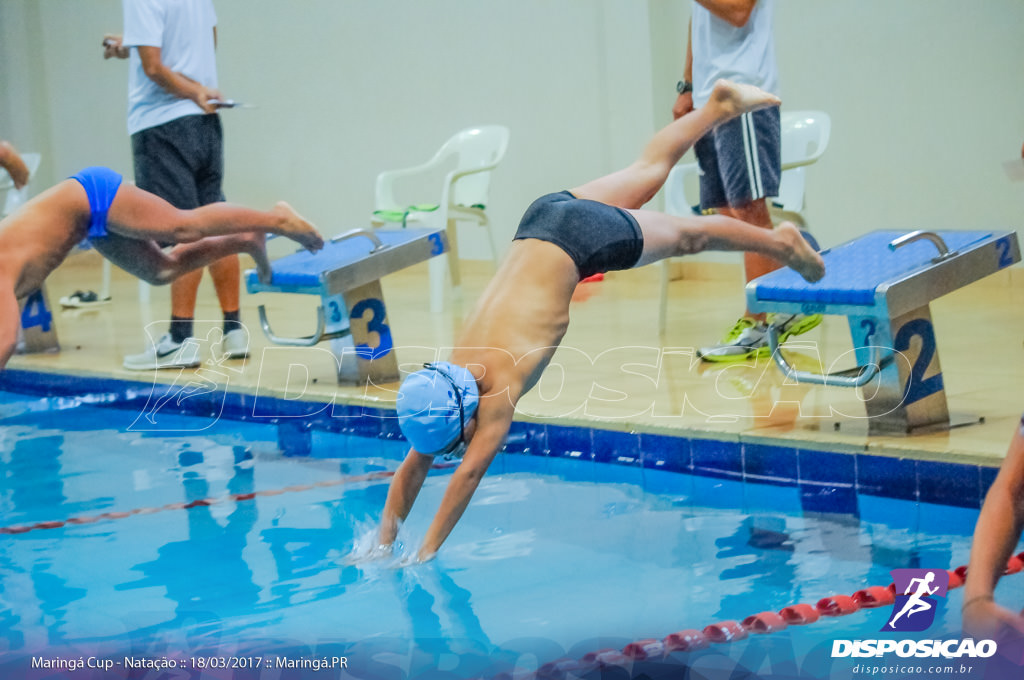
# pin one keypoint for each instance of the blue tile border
(888, 477)
(714, 458)
(770, 464)
(827, 481)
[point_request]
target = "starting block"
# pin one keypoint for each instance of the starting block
(346, 275)
(883, 282)
(37, 333)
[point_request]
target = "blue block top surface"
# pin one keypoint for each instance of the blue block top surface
(303, 269)
(855, 269)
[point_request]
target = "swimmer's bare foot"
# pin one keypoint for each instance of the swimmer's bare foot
(731, 99)
(802, 257)
(297, 228)
(256, 247)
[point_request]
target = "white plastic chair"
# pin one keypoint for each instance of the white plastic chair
(463, 195)
(805, 136)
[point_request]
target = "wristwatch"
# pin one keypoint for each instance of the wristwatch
(684, 86)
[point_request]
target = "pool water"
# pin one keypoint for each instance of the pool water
(209, 543)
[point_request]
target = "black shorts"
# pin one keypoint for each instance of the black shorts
(181, 161)
(598, 237)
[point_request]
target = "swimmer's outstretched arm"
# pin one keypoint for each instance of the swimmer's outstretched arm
(493, 420)
(405, 487)
(995, 536)
(9, 320)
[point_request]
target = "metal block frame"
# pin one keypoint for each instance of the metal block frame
(346, 275)
(898, 369)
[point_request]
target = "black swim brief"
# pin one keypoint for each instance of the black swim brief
(598, 237)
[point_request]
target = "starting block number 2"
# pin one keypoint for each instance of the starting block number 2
(917, 386)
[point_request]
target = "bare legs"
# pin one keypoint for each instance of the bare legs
(224, 272)
(754, 264)
(672, 236)
(634, 186)
(668, 236)
(138, 219)
(147, 261)
(139, 214)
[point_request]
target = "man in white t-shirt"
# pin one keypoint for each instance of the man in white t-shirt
(177, 147)
(740, 161)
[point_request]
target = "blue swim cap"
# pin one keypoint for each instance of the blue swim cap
(435, 405)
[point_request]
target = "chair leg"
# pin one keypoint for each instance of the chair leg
(490, 238)
(663, 299)
(453, 255)
(105, 286)
(437, 271)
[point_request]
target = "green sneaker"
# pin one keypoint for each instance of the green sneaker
(748, 339)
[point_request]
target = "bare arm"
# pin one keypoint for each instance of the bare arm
(684, 102)
(493, 420)
(405, 487)
(10, 320)
(996, 534)
(11, 161)
(736, 12)
(176, 83)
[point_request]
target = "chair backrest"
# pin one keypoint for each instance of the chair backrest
(476, 148)
(16, 197)
(677, 200)
(805, 136)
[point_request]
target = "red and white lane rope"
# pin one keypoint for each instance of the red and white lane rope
(202, 502)
(692, 639)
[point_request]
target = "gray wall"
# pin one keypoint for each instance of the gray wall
(925, 98)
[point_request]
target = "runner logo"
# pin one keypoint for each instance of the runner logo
(914, 609)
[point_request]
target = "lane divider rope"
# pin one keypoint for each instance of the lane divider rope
(762, 623)
(204, 502)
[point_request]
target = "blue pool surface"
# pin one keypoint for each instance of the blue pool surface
(555, 557)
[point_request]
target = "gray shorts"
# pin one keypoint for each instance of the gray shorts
(181, 161)
(740, 160)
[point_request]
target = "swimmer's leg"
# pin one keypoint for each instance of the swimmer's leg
(637, 184)
(150, 263)
(674, 236)
(138, 214)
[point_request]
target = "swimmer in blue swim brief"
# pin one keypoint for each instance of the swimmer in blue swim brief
(464, 407)
(125, 223)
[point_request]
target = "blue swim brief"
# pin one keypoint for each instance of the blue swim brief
(101, 185)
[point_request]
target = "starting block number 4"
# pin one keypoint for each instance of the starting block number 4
(37, 330)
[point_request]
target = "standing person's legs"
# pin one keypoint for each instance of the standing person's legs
(180, 161)
(226, 273)
(740, 167)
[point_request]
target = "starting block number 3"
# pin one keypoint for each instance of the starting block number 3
(375, 324)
